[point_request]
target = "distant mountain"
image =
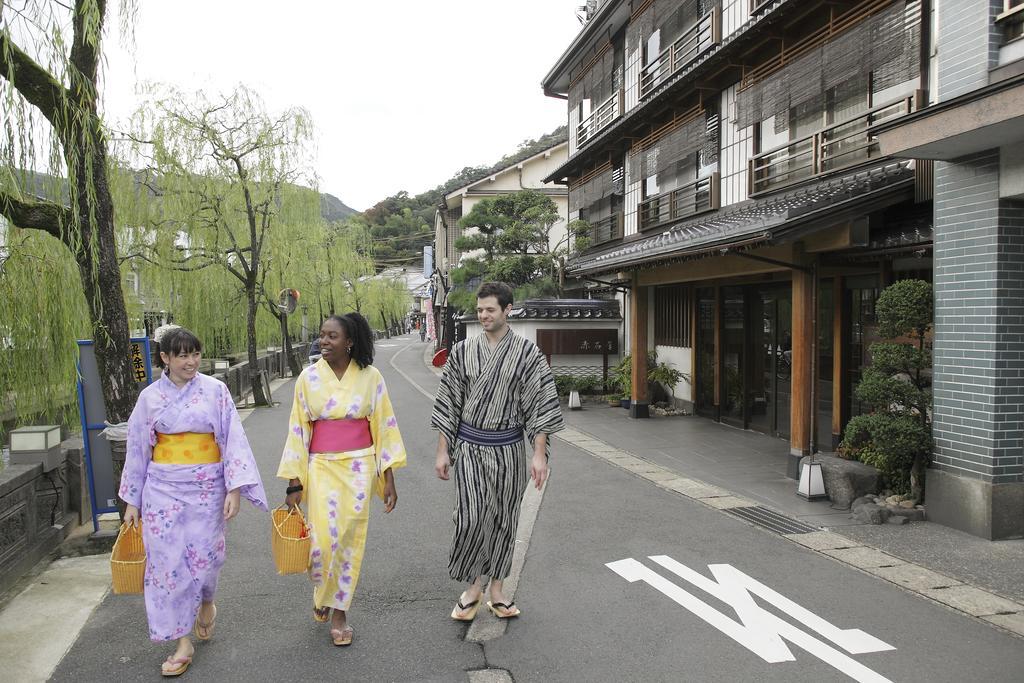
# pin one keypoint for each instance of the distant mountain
(333, 209)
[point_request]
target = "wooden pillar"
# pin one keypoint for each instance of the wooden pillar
(838, 357)
(800, 401)
(638, 405)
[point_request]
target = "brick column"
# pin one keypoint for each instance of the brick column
(976, 480)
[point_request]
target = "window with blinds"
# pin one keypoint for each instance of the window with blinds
(672, 315)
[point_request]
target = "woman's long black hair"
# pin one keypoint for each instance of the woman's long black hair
(357, 329)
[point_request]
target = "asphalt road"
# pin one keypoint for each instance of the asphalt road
(582, 620)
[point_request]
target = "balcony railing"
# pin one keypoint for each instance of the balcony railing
(609, 110)
(696, 40)
(689, 200)
(840, 145)
(606, 229)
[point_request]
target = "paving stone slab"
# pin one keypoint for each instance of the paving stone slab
(1011, 622)
(489, 676)
(659, 476)
(862, 557)
(726, 502)
(822, 540)
(974, 601)
(914, 577)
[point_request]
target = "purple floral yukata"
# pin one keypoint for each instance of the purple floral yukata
(182, 506)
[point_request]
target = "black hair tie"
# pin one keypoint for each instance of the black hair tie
(293, 489)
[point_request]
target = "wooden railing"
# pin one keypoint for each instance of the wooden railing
(609, 110)
(696, 40)
(689, 200)
(606, 229)
(840, 145)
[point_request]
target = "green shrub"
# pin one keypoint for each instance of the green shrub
(895, 436)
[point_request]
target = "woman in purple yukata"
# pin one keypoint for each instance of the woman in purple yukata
(187, 468)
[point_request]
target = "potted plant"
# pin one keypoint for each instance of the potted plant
(665, 374)
(574, 386)
(622, 377)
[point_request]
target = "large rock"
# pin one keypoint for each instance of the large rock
(847, 480)
(872, 513)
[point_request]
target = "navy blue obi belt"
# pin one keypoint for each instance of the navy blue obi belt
(487, 437)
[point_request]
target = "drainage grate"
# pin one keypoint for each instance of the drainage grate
(771, 520)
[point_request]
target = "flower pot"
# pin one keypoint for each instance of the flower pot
(574, 400)
(624, 403)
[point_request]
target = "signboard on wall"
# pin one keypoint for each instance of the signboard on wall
(574, 342)
(428, 260)
(93, 415)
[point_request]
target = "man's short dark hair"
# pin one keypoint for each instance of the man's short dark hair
(499, 290)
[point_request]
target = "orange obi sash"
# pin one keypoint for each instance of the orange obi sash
(187, 448)
(338, 436)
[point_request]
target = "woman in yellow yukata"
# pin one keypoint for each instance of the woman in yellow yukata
(343, 445)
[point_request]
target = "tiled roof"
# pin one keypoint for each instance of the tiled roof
(562, 309)
(751, 222)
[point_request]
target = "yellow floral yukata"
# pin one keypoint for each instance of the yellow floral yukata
(337, 486)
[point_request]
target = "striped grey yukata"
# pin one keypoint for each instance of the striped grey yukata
(492, 396)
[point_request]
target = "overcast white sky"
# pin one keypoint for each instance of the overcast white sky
(403, 93)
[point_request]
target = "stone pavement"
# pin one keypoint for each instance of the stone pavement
(744, 473)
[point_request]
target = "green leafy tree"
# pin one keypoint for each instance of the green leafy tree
(513, 232)
(50, 55)
(896, 435)
(226, 173)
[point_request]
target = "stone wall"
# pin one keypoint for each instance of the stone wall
(35, 515)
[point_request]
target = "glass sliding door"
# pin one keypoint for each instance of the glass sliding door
(771, 360)
(734, 354)
(705, 399)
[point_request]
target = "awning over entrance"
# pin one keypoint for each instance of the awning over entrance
(759, 221)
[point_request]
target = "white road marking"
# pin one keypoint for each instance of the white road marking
(758, 630)
(408, 379)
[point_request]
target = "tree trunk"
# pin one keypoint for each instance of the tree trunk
(917, 473)
(293, 362)
(259, 396)
(95, 249)
(384, 321)
(96, 254)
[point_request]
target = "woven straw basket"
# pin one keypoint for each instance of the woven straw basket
(128, 560)
(290, 541)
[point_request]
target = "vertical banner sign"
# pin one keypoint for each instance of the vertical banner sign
(93, 414)
(428, 260)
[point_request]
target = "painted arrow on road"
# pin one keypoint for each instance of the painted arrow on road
(758, 630)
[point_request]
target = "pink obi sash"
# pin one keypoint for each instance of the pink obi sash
(336, 436)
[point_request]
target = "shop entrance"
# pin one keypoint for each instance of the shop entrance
(751, 329)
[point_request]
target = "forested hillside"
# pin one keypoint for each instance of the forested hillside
(401, 225)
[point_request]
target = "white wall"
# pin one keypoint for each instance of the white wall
(679, 358)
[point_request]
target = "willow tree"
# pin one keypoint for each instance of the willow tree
(227, 173)
(38, 323)
(51, 123)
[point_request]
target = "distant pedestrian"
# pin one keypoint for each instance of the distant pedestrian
(188, 465)
(495, 387)
(423, 332)
(343, 446)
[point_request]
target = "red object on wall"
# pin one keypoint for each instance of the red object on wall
(440, 358)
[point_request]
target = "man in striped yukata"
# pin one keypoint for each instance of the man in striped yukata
(496, 387)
